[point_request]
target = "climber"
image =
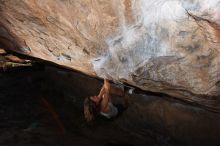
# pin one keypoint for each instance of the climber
(102, 104)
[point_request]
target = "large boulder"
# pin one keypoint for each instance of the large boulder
(162, 46)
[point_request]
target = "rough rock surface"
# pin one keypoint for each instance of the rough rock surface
(164, 46)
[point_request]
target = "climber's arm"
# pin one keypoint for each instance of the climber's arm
(102, 91)
(105, 96)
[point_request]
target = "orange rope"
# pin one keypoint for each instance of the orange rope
(54, 115)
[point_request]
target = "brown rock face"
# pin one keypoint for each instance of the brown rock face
(163, 46)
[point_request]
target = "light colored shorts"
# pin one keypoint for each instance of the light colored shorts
(112, 113)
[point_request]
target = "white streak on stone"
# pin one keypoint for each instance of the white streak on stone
(152, 34)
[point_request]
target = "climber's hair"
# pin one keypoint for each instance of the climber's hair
(90, 110)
